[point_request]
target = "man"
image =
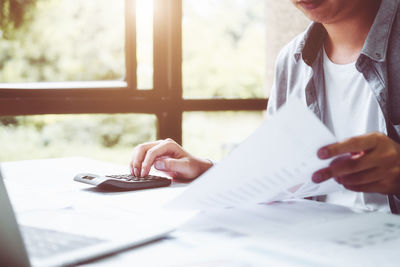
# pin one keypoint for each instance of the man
(345, 67)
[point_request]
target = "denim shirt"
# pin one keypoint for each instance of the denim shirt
(299, 70)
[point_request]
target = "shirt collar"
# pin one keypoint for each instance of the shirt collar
(310, 43)
(375, 45)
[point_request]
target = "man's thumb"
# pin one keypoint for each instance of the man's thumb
(171, 165)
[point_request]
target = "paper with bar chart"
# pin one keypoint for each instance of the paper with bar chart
(276, 162)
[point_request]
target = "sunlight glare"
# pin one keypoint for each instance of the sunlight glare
(144, 35)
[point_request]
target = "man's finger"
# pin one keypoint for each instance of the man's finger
(375, 187)
(360, 178)
(351, 145)
(321, 175)
(138, 156)
(164, 148)
(340, 166)
(346, 165)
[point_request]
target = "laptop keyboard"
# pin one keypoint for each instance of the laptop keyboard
(42, 243)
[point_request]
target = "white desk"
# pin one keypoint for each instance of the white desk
(238, 238)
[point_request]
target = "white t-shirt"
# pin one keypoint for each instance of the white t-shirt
(352, 110)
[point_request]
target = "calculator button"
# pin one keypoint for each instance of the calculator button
(87, 177)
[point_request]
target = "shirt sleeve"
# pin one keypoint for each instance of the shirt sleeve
(394, 203)
(278, 92)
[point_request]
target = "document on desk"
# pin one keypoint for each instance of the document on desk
(276, 162)
(301, 233)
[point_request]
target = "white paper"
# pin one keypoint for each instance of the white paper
(281, 218)
(287, 233)
(275, 162)
(368, 239)
(303, 233)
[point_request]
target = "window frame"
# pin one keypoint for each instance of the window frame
(165, 100)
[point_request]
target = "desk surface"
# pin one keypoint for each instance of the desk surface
(272, 234)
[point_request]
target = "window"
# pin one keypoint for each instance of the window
(67, 41)
(175, 68)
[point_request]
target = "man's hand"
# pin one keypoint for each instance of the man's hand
(169, 157)
(367, 163)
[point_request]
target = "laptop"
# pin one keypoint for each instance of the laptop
(29, 245)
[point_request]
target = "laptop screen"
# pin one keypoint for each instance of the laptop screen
(12, 250)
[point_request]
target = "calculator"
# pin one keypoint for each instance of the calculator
(122, 182)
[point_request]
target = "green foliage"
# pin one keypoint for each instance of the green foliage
(8, 120)
(66, 40)
(224, 48)
(13, 13)
(82, 40)
(43, 136)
